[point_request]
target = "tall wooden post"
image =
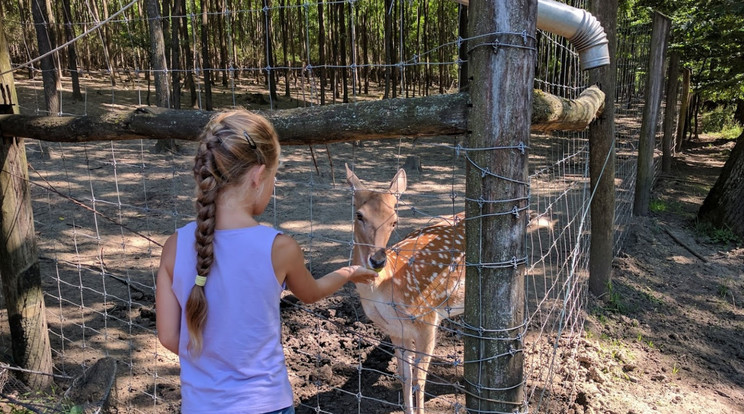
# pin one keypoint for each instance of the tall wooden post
(654, 92)
(501, 67)
(684, 106)
(19, 260)
(602, 158)
(670, 112)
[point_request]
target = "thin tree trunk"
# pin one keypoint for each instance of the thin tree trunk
(206, 62)
(321, 52)
(342, 39)
(269, 46)
(285, 39)
(49, 71)
(388, 48)
(672, 90)
(684, 108)
(71, 51)
(177, 11)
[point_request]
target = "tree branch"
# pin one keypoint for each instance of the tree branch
(414, 117)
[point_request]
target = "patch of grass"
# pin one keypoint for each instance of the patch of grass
(657, 206)
(723, 291)
(675, 369)
(717, 235)
(614, 302)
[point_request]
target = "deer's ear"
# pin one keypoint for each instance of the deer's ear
(399, 183)
(353, 180)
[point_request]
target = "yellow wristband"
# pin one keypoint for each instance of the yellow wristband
(200, 280)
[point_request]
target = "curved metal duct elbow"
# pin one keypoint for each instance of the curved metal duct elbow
(579, 26)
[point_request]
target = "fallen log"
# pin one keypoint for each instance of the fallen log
(392, 118)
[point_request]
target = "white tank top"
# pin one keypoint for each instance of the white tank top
(241, 368)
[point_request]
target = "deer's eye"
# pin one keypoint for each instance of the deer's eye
(360, 217)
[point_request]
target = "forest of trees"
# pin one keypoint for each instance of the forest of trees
(220, 39)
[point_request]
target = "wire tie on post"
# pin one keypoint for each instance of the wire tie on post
(515, 211)
(514, 262)
(522, 147)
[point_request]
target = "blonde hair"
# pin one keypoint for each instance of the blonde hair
(230, 145)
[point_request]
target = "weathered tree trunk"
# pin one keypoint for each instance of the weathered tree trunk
(285, 40)
(602, 159)
(175, 56)
(269, 47)
(684, 108)
(19, 258)
(48, 68)
(342, 39)
(71, 51)
(501, 95)
(321, 52)
(654, 92)
(724, 205)
(391, 118)
(672, 90)
(388, 42)
(157, 53)
(159, 67)
(206, 61)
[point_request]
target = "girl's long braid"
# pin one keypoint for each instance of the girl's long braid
(206, 207)
(232, 143)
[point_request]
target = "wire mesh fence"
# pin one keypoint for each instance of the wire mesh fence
(102, 210)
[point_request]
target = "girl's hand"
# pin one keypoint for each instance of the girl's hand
(361, 274)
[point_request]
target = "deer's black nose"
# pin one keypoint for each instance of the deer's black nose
(377, 260)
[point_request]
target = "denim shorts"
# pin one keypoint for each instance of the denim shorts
(288, 410)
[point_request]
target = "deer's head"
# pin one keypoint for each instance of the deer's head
(375, 218)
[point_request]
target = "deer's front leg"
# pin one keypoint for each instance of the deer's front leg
(404, 358)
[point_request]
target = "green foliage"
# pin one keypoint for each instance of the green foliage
(717, 235)
(721, 119)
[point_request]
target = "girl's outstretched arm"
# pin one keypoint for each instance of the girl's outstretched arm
(289, 266)
(167, 309)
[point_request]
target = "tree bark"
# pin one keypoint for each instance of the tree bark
(672, 90)
(19, 258)
(652, 106)
(501, 95)
(321, 52)
(206, 61)
(684, 107)
(71, 52)
(415, 117)
(157, 54)
(724, 205)
(602, 160)
(48, 68)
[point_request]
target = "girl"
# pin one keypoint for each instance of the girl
(221, 276)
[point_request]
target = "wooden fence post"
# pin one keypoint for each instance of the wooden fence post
(19, 259)
(602, 159)
(501, 67)
(670, 111)
(654, 92)
(684, 106)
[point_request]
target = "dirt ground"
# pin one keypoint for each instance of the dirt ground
(669, 339)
